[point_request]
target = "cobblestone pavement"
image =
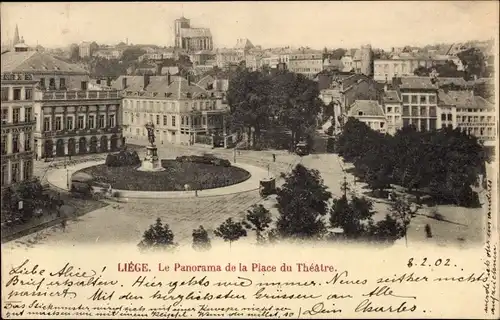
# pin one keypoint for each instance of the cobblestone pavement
(125, 222)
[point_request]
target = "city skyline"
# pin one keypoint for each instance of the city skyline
(414, 23)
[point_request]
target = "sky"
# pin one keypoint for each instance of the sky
(269, 24)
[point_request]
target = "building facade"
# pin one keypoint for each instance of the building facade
(18, 124)
(472, 114)
(419, 96)
(392, 107)
(306, 62)
(70, 118)
(191, 39)
(369, 112)
(181, 111)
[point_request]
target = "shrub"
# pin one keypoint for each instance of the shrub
(205, 159)
(123, 158)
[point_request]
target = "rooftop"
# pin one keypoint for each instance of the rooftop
(35, 61)
(464, 99)
(414, 82)
(195, 32)
(391, 96)
(179, 87)
(366, 108)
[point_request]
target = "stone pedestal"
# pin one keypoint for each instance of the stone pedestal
(151, 161)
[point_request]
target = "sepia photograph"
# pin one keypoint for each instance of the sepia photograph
(209, 132)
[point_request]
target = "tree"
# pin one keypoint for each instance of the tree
(158, 236)
(248, 98)
(337, 54)
(402, 211)
(387, 230)
(473, 61)
(295, 103)
(258, 219)
(201, 241)
(230, 231)
(352, 216)
(302, 201)
(74, 52)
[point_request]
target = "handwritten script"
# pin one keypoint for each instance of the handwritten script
(176, 290)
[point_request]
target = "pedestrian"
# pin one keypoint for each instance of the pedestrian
(63, 224)
(36, 156)
(274, 157)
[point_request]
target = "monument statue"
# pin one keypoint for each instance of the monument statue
(151, 161)
(151, 133)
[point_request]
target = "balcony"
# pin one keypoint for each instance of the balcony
(79, 95)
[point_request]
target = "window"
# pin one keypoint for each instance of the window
(27, 141)
(414, 111)
(406, 111)
(173, 121)
(52, 84)
(450, 117)
(414, 99)
(15, 115)
(443, 117)
(83, 85)
(360, 113)
(46, 124)
(81, 122)
(5, 116)
(382, 125)
(432, 99)
(91, 122)
(164, 120)
(15, 143)
(69, 123)
(182, 120)
(389, 109)
(432, 111)
(27, 169)
(17, 94)
(204, 120)
(27, 114)
(4, 145)
(5, 94)
(4, 175)
(151, 118)
(15, 172)
(28, 93)
(423, 99)
(111, 121)
(58, 123)
(157, 119)
(102, 123)
(423, 111)
(406, 122)
(62, 84)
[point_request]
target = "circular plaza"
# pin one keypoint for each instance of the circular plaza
(179, 179)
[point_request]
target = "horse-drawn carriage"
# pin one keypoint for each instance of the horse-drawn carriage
(267, 186)
(86, 185)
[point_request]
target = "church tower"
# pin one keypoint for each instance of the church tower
(16, 38)
(178, 25)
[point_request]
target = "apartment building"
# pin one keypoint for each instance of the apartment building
(182, 111)
(18, 125)
(70, 118)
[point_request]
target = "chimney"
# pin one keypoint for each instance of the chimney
(146, 80)
(124, 83)
(169, 80)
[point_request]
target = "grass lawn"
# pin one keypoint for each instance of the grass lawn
(176, 175)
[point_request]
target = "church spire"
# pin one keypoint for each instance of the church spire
(16, 36)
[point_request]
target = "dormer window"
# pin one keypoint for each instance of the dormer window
(188, 95)
(360, 113)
